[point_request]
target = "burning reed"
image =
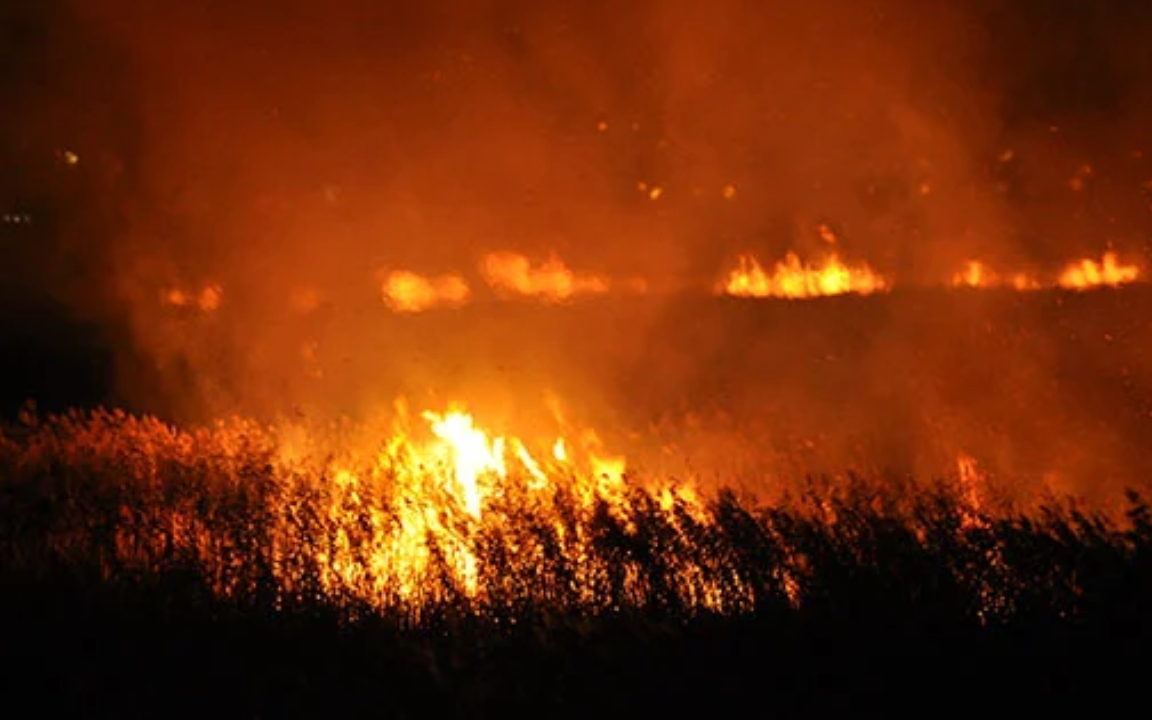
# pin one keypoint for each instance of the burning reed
(453, 518)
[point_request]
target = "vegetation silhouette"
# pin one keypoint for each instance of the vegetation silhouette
(848, 596)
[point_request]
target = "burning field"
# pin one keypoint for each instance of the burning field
(487, 356)
(506, 557)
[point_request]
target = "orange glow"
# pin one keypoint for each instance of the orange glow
(392, 514)
(978, 275)
(794, 279)
(451, 482)
(207, 299)
(396, 515)
(514, 274)
(305, 300)
(471, 454)
(1109, 272)
(405, 291)
(971, 479)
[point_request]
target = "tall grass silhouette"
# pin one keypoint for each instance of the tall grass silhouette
(160, 538)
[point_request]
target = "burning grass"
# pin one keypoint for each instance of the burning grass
(476, 523)
(474, 582)
(793, 279)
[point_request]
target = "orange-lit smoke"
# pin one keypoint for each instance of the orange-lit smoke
(289, 152)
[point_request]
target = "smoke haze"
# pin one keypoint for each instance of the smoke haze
(291, 150)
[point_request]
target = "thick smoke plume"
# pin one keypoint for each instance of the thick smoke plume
(282, 155)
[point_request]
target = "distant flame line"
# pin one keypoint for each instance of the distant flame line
(513, 275)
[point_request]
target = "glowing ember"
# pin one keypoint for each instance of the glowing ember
(511, 273)
(791, 278)
(1109, 272)
(405, 291)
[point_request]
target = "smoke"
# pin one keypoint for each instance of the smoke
(291, 150)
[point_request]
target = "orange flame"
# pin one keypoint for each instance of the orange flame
(444, 488)
(791, 278)
(978, 275)
(389, 518)
(1109, 272)
(511, 273)
(207, 299)
(405, 291)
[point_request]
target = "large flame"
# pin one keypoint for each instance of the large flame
(430, 491)
(436, 508)
(471, 453)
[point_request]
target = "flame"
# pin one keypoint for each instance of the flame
(978, 275)
(207, 299)
(510, 273)
(471, 453)
(436, 508)
(970, 476)
(447, 488)
(791, 278)
(1087, 273)
(975, 275)
(405, 291)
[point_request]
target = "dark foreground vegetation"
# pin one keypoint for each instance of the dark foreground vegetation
(856, 597)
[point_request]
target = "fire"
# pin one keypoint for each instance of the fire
(974, 275)
(207, 299)
(403, 512)
(510, 273)
(418, 504)
(471, 453)
(978, 275)
(405, 291)
(971, 479)
(791, 278)
(1079, 275)
(1087, 273)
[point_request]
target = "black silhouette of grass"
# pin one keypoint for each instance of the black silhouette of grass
(145, 574)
